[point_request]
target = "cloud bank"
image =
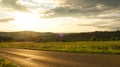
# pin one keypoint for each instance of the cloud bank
(6, 20)
(86, 8)
(107, 11)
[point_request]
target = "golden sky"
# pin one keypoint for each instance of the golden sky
(59, 15)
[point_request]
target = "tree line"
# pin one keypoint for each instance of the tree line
(58, 37)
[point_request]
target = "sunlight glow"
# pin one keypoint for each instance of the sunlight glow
(26, 21)
(49, 1)
(43, 1)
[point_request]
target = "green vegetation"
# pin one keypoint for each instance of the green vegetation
(29, 36)
(4, 63)
(101, 47)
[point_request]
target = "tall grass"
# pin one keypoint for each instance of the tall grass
(4, 63)
(101, 47)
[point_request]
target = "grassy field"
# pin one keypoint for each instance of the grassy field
(4, 63)
(100, 47)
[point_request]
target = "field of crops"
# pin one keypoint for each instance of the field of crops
(100, 47)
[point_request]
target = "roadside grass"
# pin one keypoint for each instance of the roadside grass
(4, 63)
(99, 47)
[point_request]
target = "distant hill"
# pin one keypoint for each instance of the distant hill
(45, 37)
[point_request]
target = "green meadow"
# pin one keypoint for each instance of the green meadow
(97, 47)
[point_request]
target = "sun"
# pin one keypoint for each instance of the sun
(26, 21)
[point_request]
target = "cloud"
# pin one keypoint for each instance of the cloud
(84, 8)
(113, 24)
(6, 19)
(14, 4)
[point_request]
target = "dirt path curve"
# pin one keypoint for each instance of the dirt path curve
(34, 58)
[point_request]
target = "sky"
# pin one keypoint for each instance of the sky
(59, 15)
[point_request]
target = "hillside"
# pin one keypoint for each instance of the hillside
(43, 37)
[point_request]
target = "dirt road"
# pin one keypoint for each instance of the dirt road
(34, 58)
